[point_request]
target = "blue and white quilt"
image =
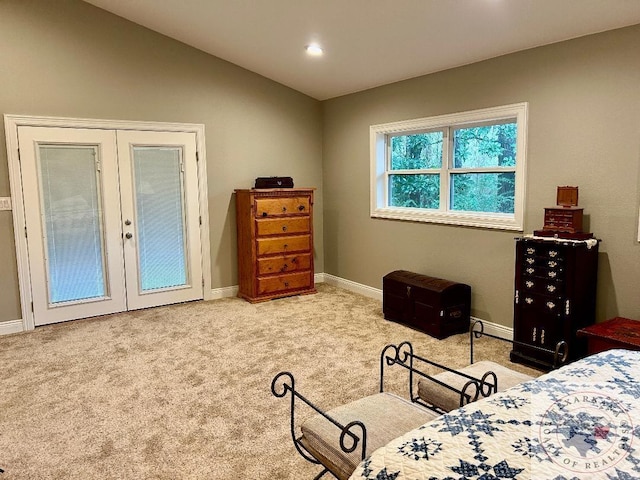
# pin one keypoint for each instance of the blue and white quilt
(580, 421)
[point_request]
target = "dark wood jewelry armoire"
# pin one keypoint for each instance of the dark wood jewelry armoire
(555, 295)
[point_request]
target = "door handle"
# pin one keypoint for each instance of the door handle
(129, 235)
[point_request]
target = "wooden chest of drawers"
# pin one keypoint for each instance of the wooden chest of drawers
(555, 292)
(275, 243)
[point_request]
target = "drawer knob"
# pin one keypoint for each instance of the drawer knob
(284, 228)
(286, 284)
(285, 266)
(286, 245)
(301, 208)
(264, 214)
(284, 209)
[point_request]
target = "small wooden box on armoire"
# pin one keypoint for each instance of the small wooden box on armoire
(433, 305)
(566, 217)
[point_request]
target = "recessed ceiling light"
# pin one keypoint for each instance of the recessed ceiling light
(314, 49)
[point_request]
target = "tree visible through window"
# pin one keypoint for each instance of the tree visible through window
(463, 168)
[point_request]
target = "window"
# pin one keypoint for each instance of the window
(463, 169)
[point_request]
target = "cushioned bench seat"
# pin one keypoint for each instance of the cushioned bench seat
(386, 417)
(447, 400)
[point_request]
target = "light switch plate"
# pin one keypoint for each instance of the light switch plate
(5, 203)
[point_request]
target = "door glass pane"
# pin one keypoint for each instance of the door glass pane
(160, 217)
(72, 222)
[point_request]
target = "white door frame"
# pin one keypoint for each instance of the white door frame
(11, 124)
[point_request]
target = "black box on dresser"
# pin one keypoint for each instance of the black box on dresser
(435, 306)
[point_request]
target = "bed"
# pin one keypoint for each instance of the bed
(580, 421)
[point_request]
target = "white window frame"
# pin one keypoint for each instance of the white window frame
(380, 169)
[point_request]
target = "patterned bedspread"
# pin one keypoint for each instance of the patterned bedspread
(580, 421)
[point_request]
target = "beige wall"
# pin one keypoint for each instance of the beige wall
(69, 59)
(584, 130)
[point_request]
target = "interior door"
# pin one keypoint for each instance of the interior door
(72, 216)
(112, 220)
(160, 212)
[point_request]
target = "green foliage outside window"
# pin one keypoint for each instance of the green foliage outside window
(410, 152)
(484, 147)
(478, 147)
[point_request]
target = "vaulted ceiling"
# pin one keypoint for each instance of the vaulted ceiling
(368, 43)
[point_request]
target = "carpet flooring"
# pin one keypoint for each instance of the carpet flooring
(183, 391)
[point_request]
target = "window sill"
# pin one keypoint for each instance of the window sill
(466, 219)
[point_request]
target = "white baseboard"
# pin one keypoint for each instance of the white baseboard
(375, 293)
(365, 290)
(224, 292)
(12, 326)
(496, 329)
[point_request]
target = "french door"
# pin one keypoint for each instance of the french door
(112, 220)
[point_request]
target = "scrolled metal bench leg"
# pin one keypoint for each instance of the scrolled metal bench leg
(281, 379)
(284, 383)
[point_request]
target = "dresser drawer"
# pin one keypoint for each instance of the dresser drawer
(280, 226)
(286, 263)
(292, 281)
(292, 243)
(543, 286)
(278, 206)
(550, 251)
(542, 272)
(546, 307)
(545, 261)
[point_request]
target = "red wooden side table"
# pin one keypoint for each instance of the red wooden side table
(618, 332)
